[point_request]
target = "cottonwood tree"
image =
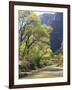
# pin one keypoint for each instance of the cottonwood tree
(34, 38)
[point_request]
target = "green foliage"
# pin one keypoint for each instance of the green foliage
(34, 42)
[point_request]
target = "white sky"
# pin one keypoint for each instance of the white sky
(40, 12)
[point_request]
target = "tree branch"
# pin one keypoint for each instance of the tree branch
(32, 43)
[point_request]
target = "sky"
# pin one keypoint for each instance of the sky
(42, 12)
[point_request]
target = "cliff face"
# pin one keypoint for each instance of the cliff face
(56, 21)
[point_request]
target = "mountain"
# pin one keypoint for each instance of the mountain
(56, 21)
